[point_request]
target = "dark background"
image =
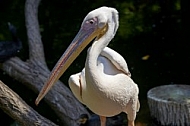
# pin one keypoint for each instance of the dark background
(153, 37)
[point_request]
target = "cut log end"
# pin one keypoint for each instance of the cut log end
(170, 104)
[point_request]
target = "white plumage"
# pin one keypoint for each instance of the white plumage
(105, 84)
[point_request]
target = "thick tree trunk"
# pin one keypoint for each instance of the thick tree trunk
(170, 104)
(34, 72)
(14, 106)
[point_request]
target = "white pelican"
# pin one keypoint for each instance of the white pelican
(104, 85)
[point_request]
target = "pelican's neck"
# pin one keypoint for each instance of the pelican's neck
(91, 66)
(97, 47)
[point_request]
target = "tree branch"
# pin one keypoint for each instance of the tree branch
(34, 72)
(33, 32)
(60, 98)
(15, 107)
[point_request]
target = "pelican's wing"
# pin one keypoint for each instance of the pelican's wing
(77, 83)
(138, 105)
(116, 59)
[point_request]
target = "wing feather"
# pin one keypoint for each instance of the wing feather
(118, 61)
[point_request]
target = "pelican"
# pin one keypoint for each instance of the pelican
(104, 85)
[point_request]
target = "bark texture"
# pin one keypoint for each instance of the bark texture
(170, 104)
(34, 72)
(14, 106)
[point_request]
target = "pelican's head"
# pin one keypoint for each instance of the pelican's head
(95, 25)
(100, 19)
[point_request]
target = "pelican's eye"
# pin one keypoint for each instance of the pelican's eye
(91, 21)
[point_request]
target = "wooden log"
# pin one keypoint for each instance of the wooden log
(170, 104)
(34, 72)
(15, 107)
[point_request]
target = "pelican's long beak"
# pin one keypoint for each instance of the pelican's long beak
(81, 40)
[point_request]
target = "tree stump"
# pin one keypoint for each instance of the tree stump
(170, 104)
